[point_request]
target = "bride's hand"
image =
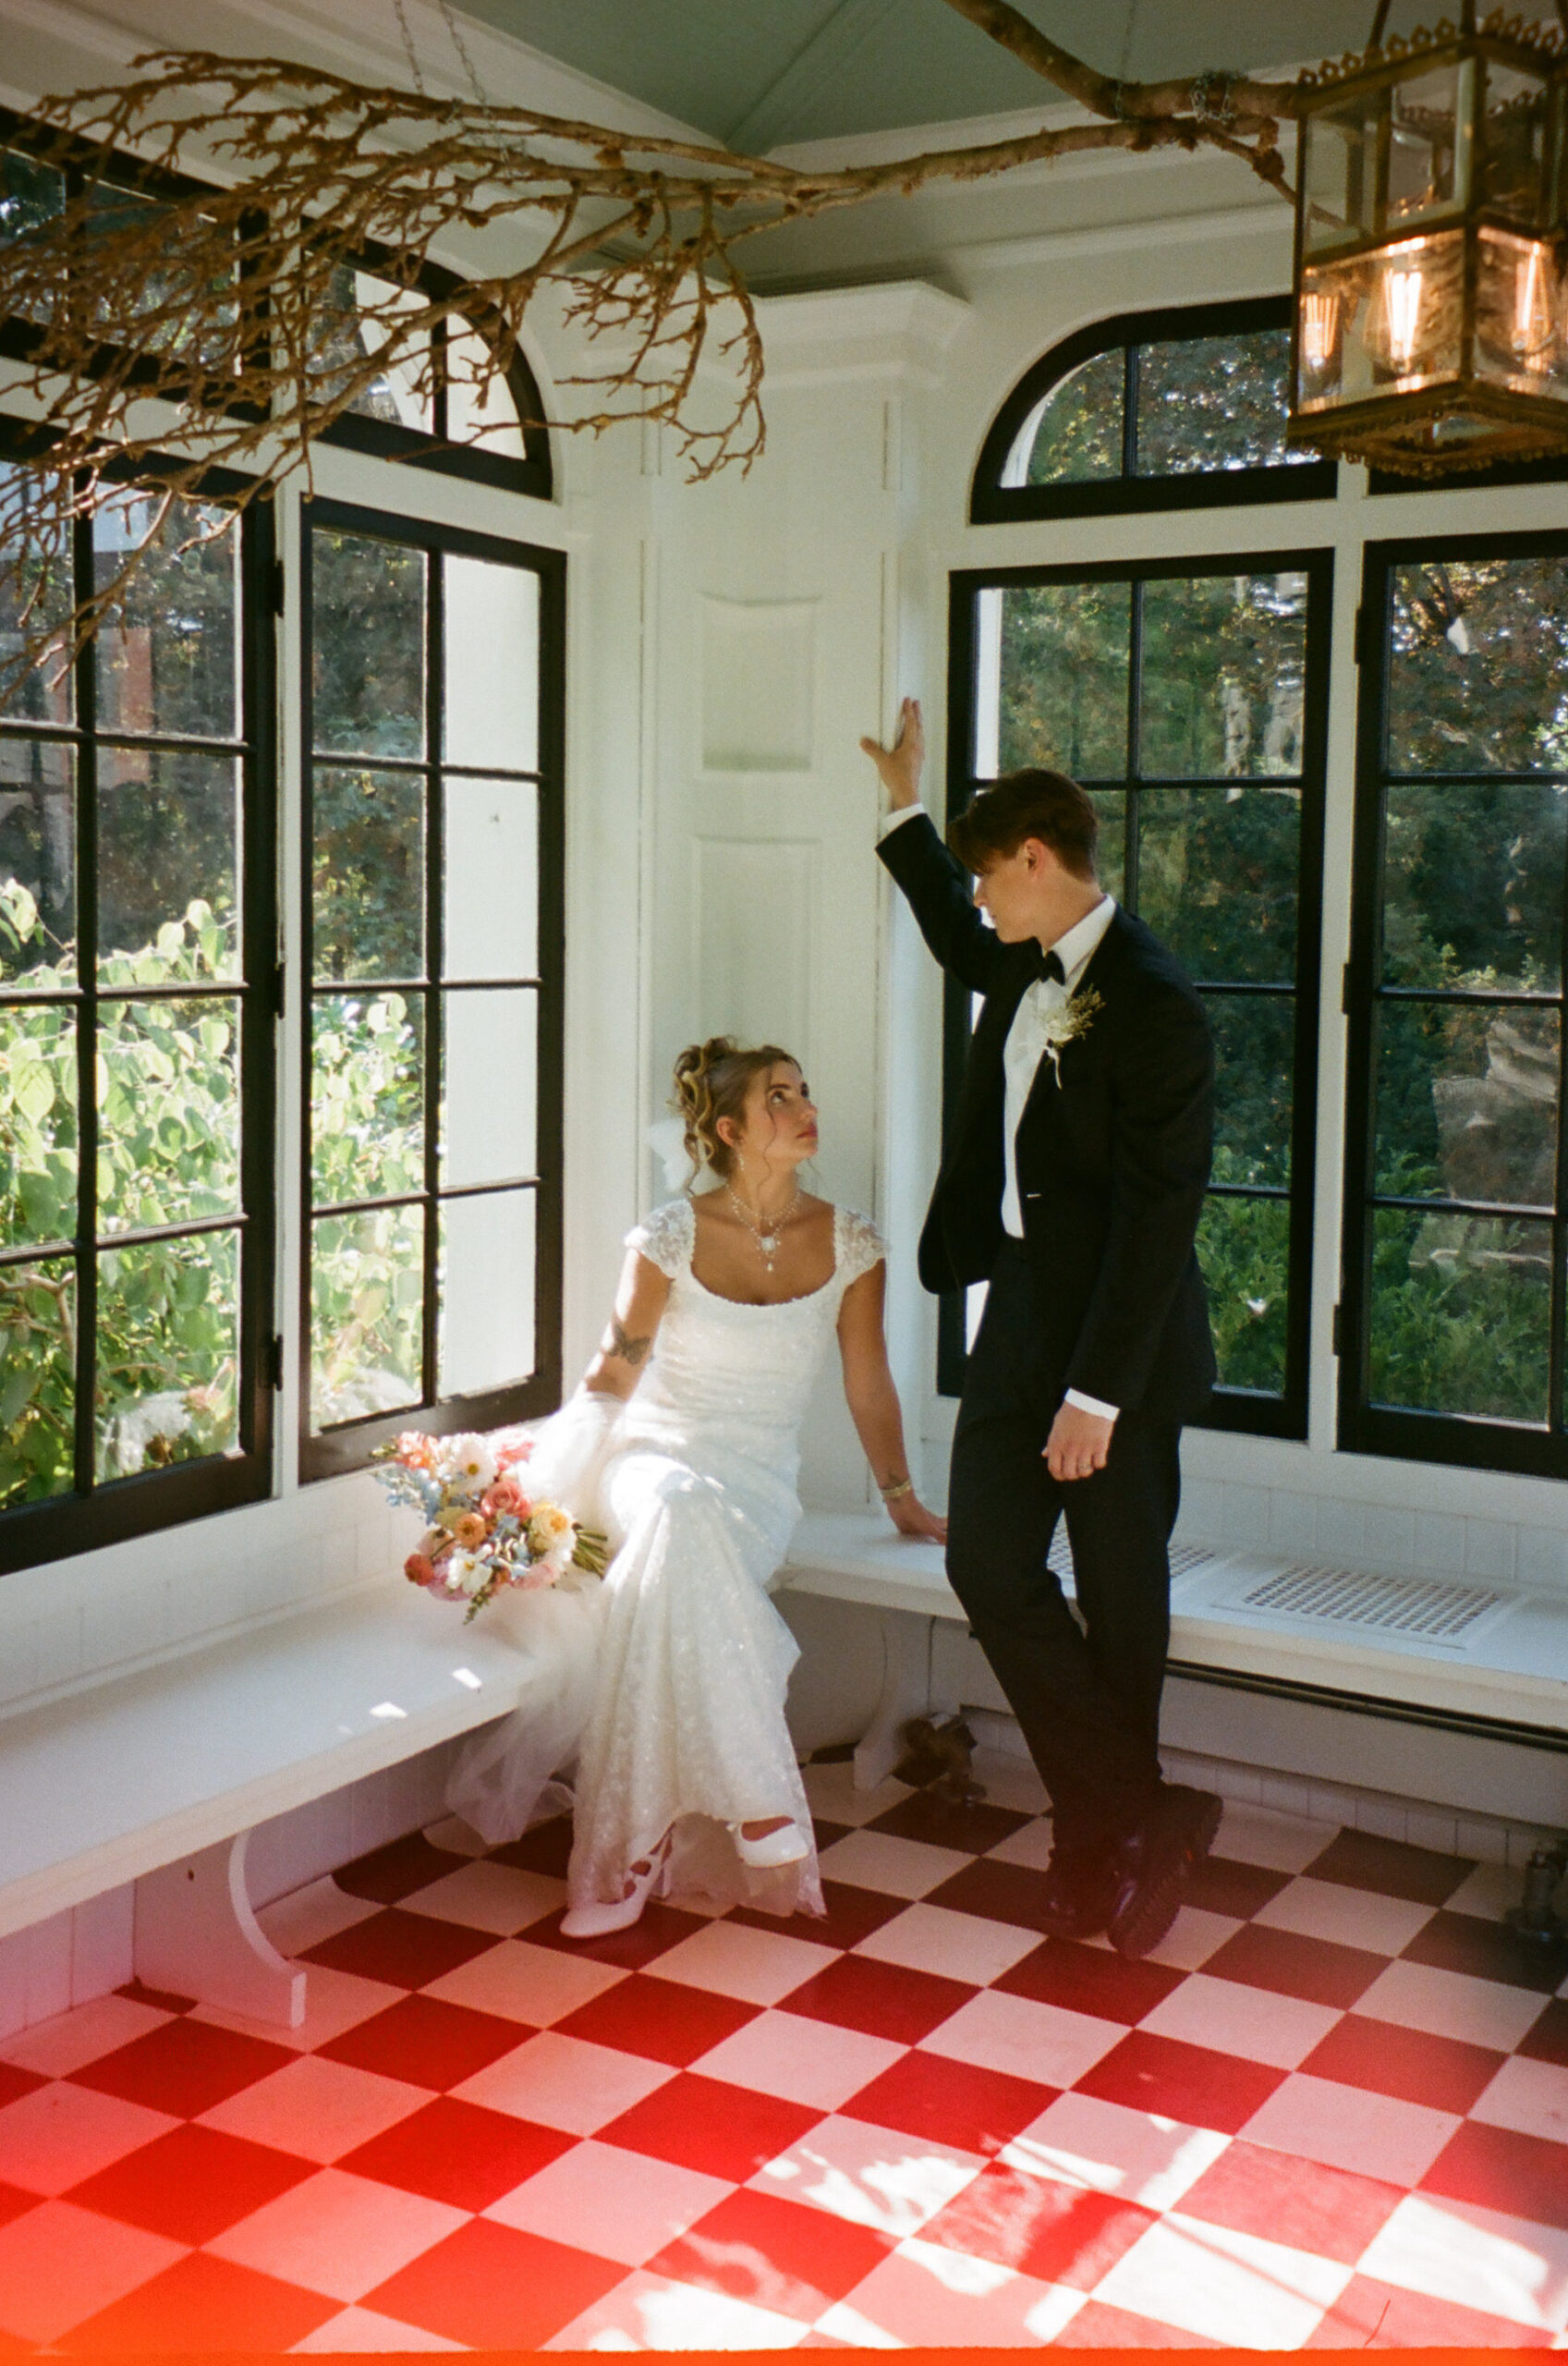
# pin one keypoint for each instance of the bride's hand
(910, 1518)
(900, 766)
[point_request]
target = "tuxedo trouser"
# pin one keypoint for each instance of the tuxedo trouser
(1086, 1689)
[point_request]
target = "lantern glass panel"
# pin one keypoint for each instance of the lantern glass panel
(1338, 176)
(1519, 316)
(1428, 157)
(1511, 168)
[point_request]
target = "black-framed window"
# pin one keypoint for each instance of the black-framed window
(1180, 409)
(137, 950)
(433, 929)
(1190, 699)
(1456, 1218)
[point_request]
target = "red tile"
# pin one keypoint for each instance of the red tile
(427, 2041)
(653, 1933)
(1360, 1860)
(1525, 2176)
(777, 2254)
(950, 2102)
(1489, 1951)
(457, 2152)
(545, 1849)
(1292, 1965)
(1225, 1886)
(397, 1871)
(184, 2067)
(191, 2183)
(924, 1815)
(1174, 2080)
(1440, 2071)
(490, 2287)
(163, 1999)
(880, 1999)
(1330, 2212)
(1369, 2315)
(706, 2124)
(1547, 2040)
(1090, 1979)
(825, 1834)
(405, 1950)
(16, 2082)
(1099, 2326)
(1001, 1893)
(14, 2202)
(853, 1914)
(658, 2018)
(1056, 2232)
(202, 2304)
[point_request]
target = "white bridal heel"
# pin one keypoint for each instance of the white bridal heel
(597, 1919)
(787, 1846)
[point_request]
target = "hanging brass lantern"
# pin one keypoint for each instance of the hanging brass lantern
(1431, 250)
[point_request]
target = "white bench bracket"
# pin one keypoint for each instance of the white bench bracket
(196, 1934)
(906, 1656)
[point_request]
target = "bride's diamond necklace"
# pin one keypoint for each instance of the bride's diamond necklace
(767, 1242)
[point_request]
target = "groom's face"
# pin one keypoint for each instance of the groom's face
(1009, 890)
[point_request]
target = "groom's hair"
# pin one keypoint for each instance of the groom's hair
(1031, 804)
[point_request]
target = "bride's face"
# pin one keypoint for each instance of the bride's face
(779, 1128)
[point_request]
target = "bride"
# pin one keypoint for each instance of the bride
(683, 1442)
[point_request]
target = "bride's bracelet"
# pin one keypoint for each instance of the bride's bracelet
(896, 1488)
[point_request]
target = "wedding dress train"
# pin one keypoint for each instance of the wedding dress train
(673, 1671)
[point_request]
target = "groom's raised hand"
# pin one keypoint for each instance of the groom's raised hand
(900, 766)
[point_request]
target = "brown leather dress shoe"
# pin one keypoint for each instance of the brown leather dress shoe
(1154, 1863)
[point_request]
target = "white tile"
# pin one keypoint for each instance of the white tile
(1390, 1536)
(831, 1793)
(1387, 1818)
(102, 1939)
(1025, 2039)
(735, 1959)
(57, 2048)
(522, 1982)
(1531, 2097)
(870, 2175)
(1342, 1531)
(1030, 1845)
(1541, 1558)
(883, 1862)
(1011, 1781)
(955, 1946)
(1230, 2287)
(366, 2330)
(1483, 1839)
(1350, 1917)
(53, 2138)
(564, 2082)
(59, 2265)
(1488, 1893)
(1193, 1937)
(620, 2204)
(1106, 2148)
(652, 2313)
(1347, 2127)
(1478, 2259)
(1234, 2019)
(1439, 1542)
(308, 1917)
(1433, 1828)
(1488, 1550)
(804, 2061)
(316, 2108)
(1259, 1836)
(1452, 2003)
(925, 2297)
(1246, 1515)
(337, 2234)
(334, 2000)
(1293, 1522)
(485, 1897)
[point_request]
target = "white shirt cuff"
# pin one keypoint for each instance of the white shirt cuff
(1092, 1405)
(900, 814)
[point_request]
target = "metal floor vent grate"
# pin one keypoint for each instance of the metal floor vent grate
(1183, 1556)
(1396, 1605)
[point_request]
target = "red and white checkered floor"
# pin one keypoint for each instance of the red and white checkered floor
(1331, 2111)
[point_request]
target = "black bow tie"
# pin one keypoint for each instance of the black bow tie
(1049, 965)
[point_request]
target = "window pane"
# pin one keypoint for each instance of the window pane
(492, 690)
(34, 601)
(354, 329)
(169, 1352)
(1224, 661)
(1214, 402)
(1244, 1249)
(1255, 1062)
(1217, 878)
(37, 860)
(1478, 666)
(38, 1128)
(1460, 1314)
(33, 196)
(168, 864)
(489, 1067)
(1473, 887)
(476, 413)
(487, 1291)
(1064, 660)
(367, 1097)
(367, 677)
(167, 659)
(369, 916)
(37, 1381)
(1468, 1102)
(491, 884)
(1075, 435)
(168, 1107)
(1110, 852)
(366, 1296)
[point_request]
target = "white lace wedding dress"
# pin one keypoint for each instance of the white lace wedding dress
(672, 1675)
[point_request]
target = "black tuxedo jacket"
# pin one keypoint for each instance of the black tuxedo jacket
(1113, 1160)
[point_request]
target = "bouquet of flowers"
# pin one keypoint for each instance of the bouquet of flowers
(484, 1527)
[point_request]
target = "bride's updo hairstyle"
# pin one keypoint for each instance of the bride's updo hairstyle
(712, 1081)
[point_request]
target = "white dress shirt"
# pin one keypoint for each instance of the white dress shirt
(1022, 1054)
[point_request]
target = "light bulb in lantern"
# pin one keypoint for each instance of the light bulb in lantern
(1319, 322)
(1532, 311)
(1402, 313)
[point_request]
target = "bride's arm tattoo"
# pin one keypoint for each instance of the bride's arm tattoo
(630, 1351)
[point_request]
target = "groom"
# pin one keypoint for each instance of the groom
(1071, 1182)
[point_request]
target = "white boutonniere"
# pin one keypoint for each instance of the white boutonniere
(1065, 1023)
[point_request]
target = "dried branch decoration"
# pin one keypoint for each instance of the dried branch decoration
(237, 304)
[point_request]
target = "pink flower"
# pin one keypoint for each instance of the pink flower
(470, 1531)
(415, 1450)
(514, 1451)
(419, 1569)
(505, 1499)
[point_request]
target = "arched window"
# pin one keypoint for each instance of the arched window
(1178, 409)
